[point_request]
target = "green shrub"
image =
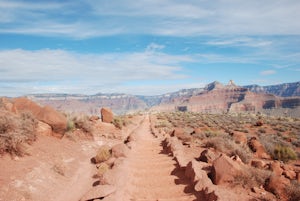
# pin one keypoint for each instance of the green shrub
(70, 125)
(284, 153)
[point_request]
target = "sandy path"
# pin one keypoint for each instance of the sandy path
(154, 174)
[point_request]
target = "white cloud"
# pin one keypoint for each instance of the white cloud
(62, 71)
(268, 72)
(92, 18)
(245, 41)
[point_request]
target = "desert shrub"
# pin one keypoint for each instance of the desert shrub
(103, 154)
(284, 153)
(70, 125)
(81, 122)
(252, 177)
(227, 145)
(16, 131)
(262, 130)
(121, 121)
(277, 148)
(102, 168)
(293, 191)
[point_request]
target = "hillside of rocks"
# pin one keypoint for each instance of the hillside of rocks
(174, 156)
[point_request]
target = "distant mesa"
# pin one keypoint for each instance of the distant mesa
(214, 97)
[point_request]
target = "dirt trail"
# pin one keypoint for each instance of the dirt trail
(155, 175)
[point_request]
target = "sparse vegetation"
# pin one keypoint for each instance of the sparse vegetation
(121, 121)
(284, 153)
(252, 177)
(16, 131)
(294, 191)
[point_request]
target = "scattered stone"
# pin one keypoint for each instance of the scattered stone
(275, 167)
(258, 164)
(208, 156)
(107, 115)
(98, 192)
(290, 174)
(224, 170)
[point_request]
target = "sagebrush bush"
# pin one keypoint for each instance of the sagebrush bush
(252, 177)
(227, 145)
(121, 121)
(284, 153)
(15, 131)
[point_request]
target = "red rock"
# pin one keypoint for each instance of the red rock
(277, 185)
(239, 137)
(258, 148)
(44, 129)
(224, 170)
(56, 120)
(181, 135)
(47, 114)
(99, 191)
(24, 104)
(120, 150)
(298, 176)
(290, 174)
(208, 156)
(275, 167)
(106, 115)
(258, 164)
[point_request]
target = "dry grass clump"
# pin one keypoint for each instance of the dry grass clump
(16, 131)
(252, 177)
(284, 153)
(80, 122)
(121, 121)
(227, 145)
(278, 148)
(293, 191)
(103, 154)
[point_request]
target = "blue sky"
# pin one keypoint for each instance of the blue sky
(145, 47)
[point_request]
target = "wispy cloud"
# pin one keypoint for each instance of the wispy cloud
(244, 42)
(62, 71)
(92, 18)
(268, 72)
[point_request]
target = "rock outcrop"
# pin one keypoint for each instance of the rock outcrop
(106, 115)
(46, 114)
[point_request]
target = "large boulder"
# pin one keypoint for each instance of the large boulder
(23, 104)
(224, 170)
(278, 185)
(56, 120)
(47, 114)
(106, 115)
